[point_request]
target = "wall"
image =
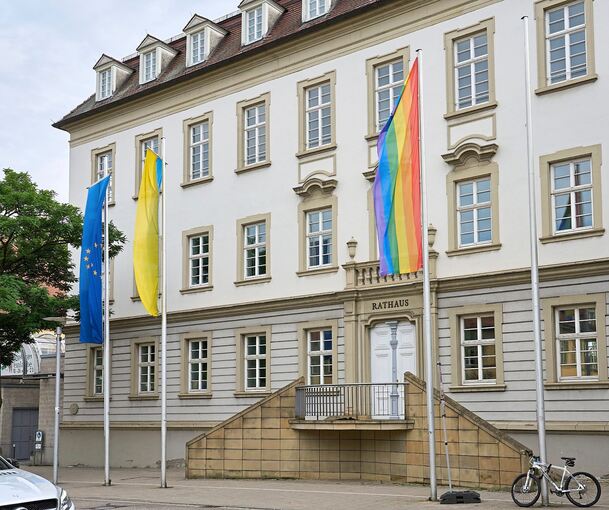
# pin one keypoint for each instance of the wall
(16, 393)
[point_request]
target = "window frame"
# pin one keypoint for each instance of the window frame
(140, 140)
(241, 225)
(543, 6)
(246, 19)
(303, 347)
(474, 207)
(312, 205)
(306, 9)
(242, 107)
(479, 343)
(91, 395)
(450, 38)
(185, 389)
(186, 236)
(241, 334)
(187, 126)
(95, 154)
(100, 83)
(201, 36)
(319, 235)
(577, 336)
(155, 65)
(571, 191)
(136, 394)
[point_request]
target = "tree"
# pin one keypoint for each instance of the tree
(36, 269)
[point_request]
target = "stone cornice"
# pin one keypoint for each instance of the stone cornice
(460, 154)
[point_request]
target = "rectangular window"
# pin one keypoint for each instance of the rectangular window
(103, 167)
(254, 24)
(254, 128)
(254, 248)
(97, 372)
(105, 83)
(471, 61)
(319, 351)
(255, 362)
(149, 59)
(149, 143)
(474, 212)
(317, 8)
(572, 195)
(198, 259)
(565, 32)
(576, 343)
(199, 150)
(197, 47)
(319, 238)
(146, 367)
(479, 361)
(388, 82)
(318, 110)
(198, 364)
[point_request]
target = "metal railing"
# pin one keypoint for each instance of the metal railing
(351, 401)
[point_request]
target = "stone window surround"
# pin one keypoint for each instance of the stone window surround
(371, 65)
(548, 306)
(541, 6)
(241, 107)
(138, 155)
(302, 86)
(303, 348)
(185, 391)
(186, 235)
(134, 392)
(111, 147)
(240, 334)
(454, 317)
(309, 204)
(187, 124)
(487, 25)
(472, 170)
(90, 395)
(240, 226)
(594, 152)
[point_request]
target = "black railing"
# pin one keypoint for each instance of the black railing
(351, 401)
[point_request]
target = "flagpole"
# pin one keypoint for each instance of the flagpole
(541, 413)
(433, 495)
(163, 327)
(106, 345)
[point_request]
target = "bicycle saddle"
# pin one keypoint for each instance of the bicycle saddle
(568, 458)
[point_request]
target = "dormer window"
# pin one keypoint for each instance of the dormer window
(202, 37)
(105, 84)
(254, 24)
(314, 8)
(111, 74)
(149, 60)
(197, 47)
(155, 55)
(258, 18)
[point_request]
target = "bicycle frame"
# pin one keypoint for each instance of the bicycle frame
(544, 469)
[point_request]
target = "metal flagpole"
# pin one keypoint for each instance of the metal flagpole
(541, 413)
(106, 345)
(163, 327)
(429, 371)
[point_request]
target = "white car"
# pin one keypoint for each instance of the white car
(21, 490)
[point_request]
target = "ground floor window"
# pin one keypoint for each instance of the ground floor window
(576, 343)
(479, 361)
(146, 368)
(320, 345)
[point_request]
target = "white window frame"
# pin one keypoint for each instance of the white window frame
(578, 336)
(260, 361)
(474, 208)
(572, 190)
(203, 259)
(393, 86)
(147, 368)
(254, 24)
(321, 110)
(567, 34)
(149, 143)
(97, 371)
(471, 63)
(323, 354)
(203, 145)
(201, 363)
(319, 235)
(257, 249)
(479, 344)
(103, 165)
(149, 64)
(257, 131)
(321, 7)
(198, 56)
(105, 84)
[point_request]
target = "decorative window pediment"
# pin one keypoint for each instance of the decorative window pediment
(155, 55)
(202, 37)
(258, 18)
(465, 151)
(313, 185)
(111, 74)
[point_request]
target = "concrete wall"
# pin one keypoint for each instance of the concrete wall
(15, 394)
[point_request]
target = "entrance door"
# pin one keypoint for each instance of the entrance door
(25, 424)
(380, 364)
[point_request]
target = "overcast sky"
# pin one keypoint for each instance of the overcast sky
(47, 51)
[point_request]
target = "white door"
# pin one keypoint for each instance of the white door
(380, 364)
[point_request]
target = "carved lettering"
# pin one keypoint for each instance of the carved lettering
(389, 304)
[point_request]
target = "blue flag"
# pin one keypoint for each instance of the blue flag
(91, 330)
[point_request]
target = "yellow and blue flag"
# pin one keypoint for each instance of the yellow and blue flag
(146, 238)
(91, 330)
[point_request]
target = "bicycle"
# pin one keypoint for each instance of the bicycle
(582, 489)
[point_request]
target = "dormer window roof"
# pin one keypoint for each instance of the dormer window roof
(257, 19)
(312, 9)
(155, 55)
(111, 74)
(202, 37)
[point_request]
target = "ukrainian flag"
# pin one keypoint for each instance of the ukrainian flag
(146, 238)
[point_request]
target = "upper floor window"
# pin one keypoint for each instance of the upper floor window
(319, 238)
(565, 32)
(471, 70)
(197, 47)
(199, 150)
(388, 80)
(572, 195)
(255, 250)
(146, 367)
(103, 167)
(577, 345)
(149, 143)
(198, 259)
(474, 220)
(315, 8)
(253, 24)
(198, 364)
(478, 349)
(105, 84)
(150, 66)
(318, 115)
(254, 119)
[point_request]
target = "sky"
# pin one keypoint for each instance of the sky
(48, 49)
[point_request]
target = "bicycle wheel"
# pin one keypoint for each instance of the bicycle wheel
(526, 496)
(590, 493)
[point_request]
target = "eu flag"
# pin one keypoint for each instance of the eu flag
(91, 330)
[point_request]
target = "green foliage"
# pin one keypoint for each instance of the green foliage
(36, 232)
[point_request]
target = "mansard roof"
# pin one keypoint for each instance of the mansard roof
(230, 49)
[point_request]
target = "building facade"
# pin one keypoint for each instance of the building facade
(270, 118)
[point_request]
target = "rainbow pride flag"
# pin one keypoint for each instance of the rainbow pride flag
(397, 196)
